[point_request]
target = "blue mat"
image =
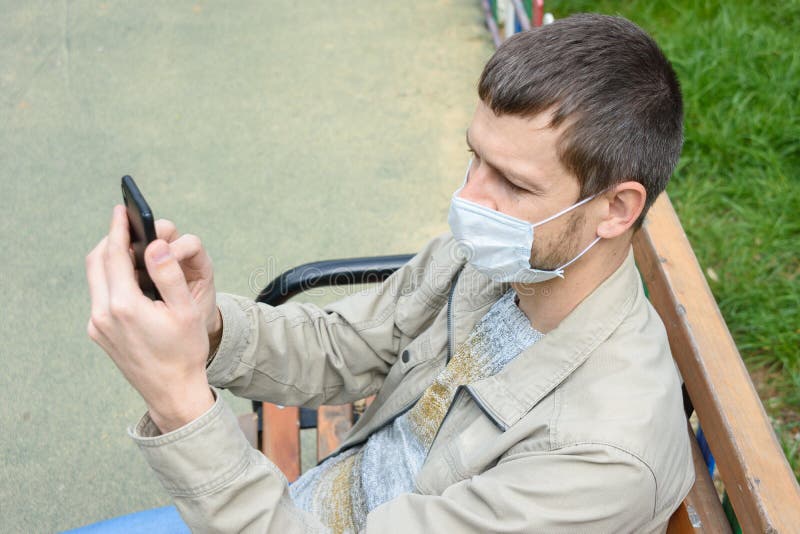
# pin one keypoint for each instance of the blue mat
(165, 520)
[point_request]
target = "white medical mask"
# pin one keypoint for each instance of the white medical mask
(499, 245)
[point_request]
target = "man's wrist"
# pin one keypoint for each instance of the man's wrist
(215, 335)
(191, 404)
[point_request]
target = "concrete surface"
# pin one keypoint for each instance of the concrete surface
(279, 132)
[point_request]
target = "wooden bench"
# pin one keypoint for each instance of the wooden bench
(760, 485)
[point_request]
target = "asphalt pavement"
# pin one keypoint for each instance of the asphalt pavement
(279, 132)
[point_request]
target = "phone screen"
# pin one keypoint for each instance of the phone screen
(143, 232)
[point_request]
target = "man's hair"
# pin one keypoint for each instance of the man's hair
(610, 85)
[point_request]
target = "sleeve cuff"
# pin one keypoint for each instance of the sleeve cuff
(198, 458)
(236, 333)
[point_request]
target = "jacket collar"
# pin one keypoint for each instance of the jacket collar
(510, 394)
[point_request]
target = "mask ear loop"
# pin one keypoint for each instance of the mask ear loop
(560, 270)
(565, 210)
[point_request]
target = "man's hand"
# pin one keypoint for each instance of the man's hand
(160, 347)
(199, 274)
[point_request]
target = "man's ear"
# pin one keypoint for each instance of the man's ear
(625, 204)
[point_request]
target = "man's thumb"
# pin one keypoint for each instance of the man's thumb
(166, 274)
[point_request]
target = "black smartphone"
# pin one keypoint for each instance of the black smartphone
(143, 232)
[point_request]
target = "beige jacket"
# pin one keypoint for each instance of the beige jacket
(582, 432)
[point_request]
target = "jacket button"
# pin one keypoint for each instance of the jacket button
(405, 356)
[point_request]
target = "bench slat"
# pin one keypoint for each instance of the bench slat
(280, 438)
(701, 510)
(761, 486)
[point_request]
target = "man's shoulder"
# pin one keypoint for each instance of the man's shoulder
(628, 381)
(627, 395)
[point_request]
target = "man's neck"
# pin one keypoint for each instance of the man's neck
(546, 304)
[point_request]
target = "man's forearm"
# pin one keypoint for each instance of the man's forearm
(218, 481)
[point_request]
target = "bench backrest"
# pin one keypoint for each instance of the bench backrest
(759, 482)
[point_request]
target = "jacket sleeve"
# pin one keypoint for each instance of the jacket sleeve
(221, 484)
(301, 354)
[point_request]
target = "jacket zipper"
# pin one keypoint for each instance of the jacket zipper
(450, 318)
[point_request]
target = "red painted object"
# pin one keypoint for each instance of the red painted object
(538, 12)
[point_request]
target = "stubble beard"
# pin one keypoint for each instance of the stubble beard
(562, 248)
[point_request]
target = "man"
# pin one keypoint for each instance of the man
(524, 383)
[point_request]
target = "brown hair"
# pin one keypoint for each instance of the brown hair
(612, 87)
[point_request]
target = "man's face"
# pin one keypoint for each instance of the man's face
(516, 171)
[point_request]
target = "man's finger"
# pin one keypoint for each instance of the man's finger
(119, 270)
(168, 277)
(186, 248)
(166, 230)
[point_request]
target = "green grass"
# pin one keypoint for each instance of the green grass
(737, 187)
